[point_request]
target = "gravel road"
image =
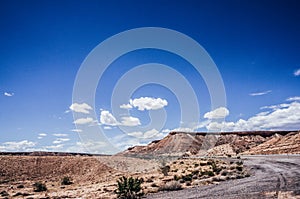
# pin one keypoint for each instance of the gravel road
(273, 176)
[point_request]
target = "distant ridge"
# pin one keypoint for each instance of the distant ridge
(225, 143)
(261, 133)
(47, 153)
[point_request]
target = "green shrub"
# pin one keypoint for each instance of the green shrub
(188, 177)
(210, 173)
(215, 168)
(129, 188)
(176, 178)
(38, 187)
(66, 181)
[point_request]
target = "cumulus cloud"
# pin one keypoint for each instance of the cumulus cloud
(130, 121)
(107, 118)
(60, 140)
(153, 133)
(82, 121)
(81, 108)
(148, 103)
(60, 135)
(296, 98)
(297, 72)
(260, 93)
(126, 106)
(23, 145)
(218, 113)
(7, 94)
(283, 117)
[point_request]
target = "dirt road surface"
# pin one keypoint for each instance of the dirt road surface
(273, 176)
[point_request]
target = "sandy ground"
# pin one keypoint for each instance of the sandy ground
(95, 177)
(273, 176)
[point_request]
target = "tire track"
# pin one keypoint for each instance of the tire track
(272, 176)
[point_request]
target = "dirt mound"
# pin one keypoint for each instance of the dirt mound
(15, 168)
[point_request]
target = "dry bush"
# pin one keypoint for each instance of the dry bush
(171, 186)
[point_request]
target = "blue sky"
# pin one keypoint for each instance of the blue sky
(254, 44)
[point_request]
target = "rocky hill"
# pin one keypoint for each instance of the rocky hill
(226, 143)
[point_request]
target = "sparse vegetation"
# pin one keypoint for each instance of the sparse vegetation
(165, 169)
(149, 180)
(66, 181)
(171, 186)
(239, 163)
(4, 193)
(20, 186)
(187, 177)
(39, 187)
(239, 168)
(176, 178)
(129, 188)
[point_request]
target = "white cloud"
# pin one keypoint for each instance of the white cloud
(297, 72)
(24, 145)
(296, 98)
(81, 108)
(275, 107)
(87, 120)
(283, 117)
(218, 113)
(148, 103)
(42, 135)
(130, 121)
(60, 140)
(108, 119)
(153, 133)
(126, 106)
(76, 130)
(8, 94)
(60, 135)
(260, 93)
